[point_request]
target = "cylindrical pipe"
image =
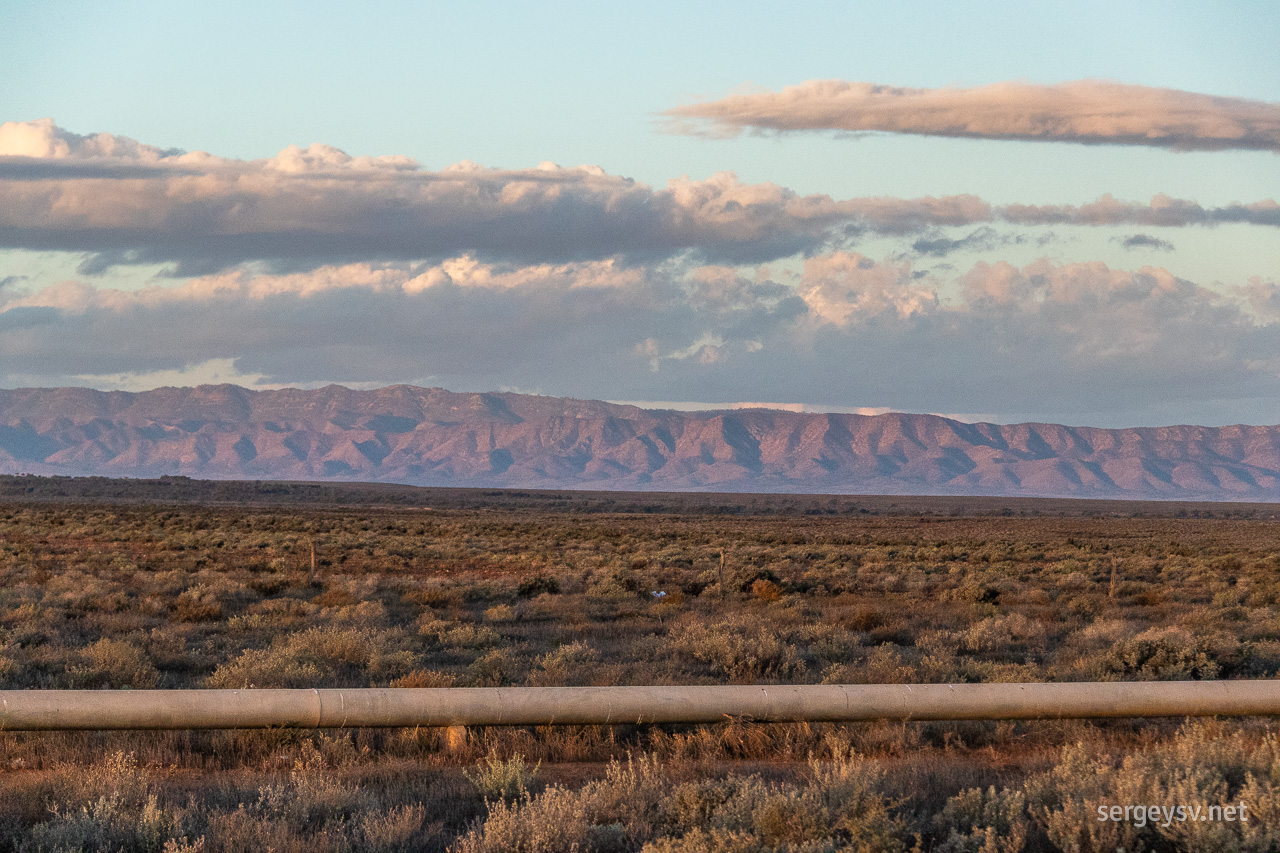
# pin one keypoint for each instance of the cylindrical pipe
(51, 710)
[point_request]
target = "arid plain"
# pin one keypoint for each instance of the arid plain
(179, 583)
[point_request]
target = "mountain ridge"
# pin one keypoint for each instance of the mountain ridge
(431, 436)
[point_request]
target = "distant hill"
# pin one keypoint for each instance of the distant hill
(429, 436)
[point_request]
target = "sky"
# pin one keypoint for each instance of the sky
(995, 211)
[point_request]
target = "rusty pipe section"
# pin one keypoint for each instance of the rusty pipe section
(53, 710)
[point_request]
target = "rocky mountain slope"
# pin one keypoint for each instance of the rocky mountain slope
(428, 436)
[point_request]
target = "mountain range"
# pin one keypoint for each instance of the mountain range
(430, 436)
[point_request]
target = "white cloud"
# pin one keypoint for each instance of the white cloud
(44, 139)
(842, 288)
(1063, 342)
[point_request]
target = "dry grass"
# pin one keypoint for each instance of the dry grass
(189, 596)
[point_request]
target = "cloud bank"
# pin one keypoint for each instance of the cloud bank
(315, 266)
(124, 202)
(1090, 112)
(1077, 343)
(132, 203)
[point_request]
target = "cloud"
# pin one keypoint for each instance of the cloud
(1143, 241)
(1046, 341)
(935, 243)
(1091, 112)
(129, 203)
(16, 168)
(123, 202)
(842, 288)
(42, 138)
(1163, 211)
(938, 245)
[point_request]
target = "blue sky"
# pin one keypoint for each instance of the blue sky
(511, 85)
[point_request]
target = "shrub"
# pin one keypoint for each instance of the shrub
(110, 806)
(394, 829)
(977, 821)
(1200, 766)
(498, 779)
(432, 596)
(442, 633)
(540, 585)
(497, 667)
(500, 613)
(838, 808)
(319, 655)
(115, 664)
(566, 664)
(197, 604)
(1160, 654)
(703, 841)
(1002, 634)
(866, 618)
(739, 647)
(827, 642)
(547, 608)
(622, 807)
(313, 795)
(766, 590)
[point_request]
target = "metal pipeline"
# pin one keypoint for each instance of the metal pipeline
(53, 710)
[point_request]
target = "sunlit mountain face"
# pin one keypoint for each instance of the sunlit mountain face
(421, 436)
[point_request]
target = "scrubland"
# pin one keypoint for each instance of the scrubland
(494, 592)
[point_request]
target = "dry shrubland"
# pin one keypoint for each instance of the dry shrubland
(137, 596)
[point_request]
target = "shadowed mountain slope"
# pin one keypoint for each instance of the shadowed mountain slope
(429, 436)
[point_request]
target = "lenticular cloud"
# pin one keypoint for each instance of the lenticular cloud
(1091, 112)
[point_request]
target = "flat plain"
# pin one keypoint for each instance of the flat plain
(184, 584)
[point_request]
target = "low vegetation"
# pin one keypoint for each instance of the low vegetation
(486, 590)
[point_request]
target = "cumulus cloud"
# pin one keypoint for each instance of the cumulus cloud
(131, 203)
(1092, 112)
(44, 139)
(124, 202)
(1064, 342)
(843, 287)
